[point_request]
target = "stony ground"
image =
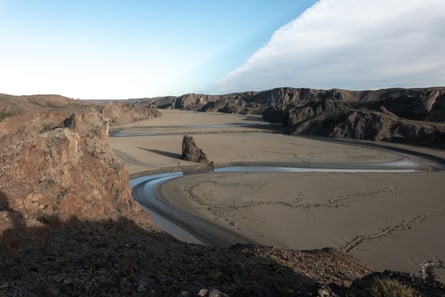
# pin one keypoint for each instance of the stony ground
(119, 258)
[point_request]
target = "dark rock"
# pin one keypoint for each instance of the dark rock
(191, 152)
(398, 115)
(274, 115)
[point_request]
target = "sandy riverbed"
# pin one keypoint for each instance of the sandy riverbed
(388, 220)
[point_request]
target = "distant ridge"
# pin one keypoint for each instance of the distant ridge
(414, 115)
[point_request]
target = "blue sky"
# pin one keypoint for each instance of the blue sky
(125, 49)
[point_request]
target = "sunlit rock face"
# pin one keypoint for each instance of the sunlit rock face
(57, 165)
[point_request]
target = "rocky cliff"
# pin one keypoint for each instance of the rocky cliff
(402, 115)
(57, 164)
(338, 119)
(119, 113)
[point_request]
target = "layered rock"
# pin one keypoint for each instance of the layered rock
(60, 165)
(401, 115)
(416, 104)
(338, 119)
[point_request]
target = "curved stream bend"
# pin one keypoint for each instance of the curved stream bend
(189, 228)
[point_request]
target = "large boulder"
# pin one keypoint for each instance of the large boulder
(191, 152)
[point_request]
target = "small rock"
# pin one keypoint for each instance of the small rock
(4, 286)
(141, 288)
(203, 292)
(325, 292)
(215, 293)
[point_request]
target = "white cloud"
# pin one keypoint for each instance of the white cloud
(355, 44)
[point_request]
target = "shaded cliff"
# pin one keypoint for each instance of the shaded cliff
(338, 119)
(402, 115)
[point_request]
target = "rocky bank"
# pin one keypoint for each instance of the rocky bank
(69, 227)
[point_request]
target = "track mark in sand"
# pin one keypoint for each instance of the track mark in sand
(403, 226)
(337, 201)
(331, 203)
(295, 203)
(290, 204)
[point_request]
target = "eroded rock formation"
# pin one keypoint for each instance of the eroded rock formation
(402, 115)
(60, 165)
(119, 113)
(191, 152)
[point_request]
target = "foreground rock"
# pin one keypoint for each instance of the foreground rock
(54, 164)
(191, 152)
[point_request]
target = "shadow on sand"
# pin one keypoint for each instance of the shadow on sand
(162, 153)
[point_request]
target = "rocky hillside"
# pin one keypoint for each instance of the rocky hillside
(116, 112)
(60, 164)
(69, 227)
(14, 105)
(401, 115)
(119, 113)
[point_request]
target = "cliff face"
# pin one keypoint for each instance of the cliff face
(60, 165)
(338, 119)
(416, 104)
(122, 114)
(402, 115)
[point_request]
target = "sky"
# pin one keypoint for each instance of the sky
(109, 49)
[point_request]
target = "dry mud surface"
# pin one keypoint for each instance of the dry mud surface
(388, 220)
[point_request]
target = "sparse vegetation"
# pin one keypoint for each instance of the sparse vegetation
(385, 287)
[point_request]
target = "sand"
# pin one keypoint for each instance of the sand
(389, 220)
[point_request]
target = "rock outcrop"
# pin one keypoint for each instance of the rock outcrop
(60, 165)
(191, 152)
(401, 115)
(338, 119)
(119, 113)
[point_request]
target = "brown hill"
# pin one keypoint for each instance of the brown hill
(14, 105)
(116, 112)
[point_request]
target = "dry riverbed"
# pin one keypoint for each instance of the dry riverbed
(389, 220)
